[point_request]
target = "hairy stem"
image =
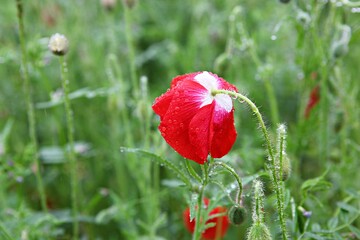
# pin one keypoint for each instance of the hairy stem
(232, 172)
(272, 165)
(71, 151)
(30, 107)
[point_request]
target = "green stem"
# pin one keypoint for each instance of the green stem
(71, 152)
(191, 171)
(272, 165)
(324, 102)
(30, 107)
(198, 219)
(131, 50)
(232, 172)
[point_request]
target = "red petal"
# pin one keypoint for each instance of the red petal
(162, 103)
(223, 134)
(180, 78)
(174, 126)
(199, 131)
(313, 100)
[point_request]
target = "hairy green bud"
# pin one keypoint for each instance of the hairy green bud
(259, 231)
(237, 214)
(286, 168)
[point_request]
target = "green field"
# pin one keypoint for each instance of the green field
(81, 155)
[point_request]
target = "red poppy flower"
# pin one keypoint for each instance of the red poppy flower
(216, 232)
(313, 100)
(193, 121)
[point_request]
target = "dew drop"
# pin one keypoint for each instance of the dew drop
(163, 129)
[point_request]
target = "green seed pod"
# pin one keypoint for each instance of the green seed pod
(259, 231)
(286, 168)
(237, 214)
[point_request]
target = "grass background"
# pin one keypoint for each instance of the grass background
(269, 50)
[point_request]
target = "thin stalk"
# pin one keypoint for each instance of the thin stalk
(131, 50)
(324, 102)
(198, 222)
(30, 107)
(236, 176)
(191, 171)
(71, 152)
(255, 110)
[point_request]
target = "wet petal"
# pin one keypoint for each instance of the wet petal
(162, 103)
(223, 132)
(199, 132)
(174, 126)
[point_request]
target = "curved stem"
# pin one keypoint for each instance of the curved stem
(272, 165)
(232, 172)
(30, 107)
(71, 152)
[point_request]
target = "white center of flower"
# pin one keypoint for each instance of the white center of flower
(211, 83)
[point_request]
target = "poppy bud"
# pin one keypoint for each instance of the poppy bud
(58, 44)
(237, 214)
(129, 3)
(108, 4)
(286, 168)
(259, 231)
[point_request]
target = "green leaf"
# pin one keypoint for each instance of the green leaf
(173, 183)
(355, 230)
(309, 235)
(347, 207)
(161, 161)
(332, 223)
(315, 184)
(193, 204)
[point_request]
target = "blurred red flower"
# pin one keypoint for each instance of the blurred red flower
(313, 100)
(216, 232)
(193, 121)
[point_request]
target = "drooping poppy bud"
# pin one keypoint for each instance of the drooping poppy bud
(237, 214)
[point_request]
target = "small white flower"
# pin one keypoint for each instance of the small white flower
(58, 44)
